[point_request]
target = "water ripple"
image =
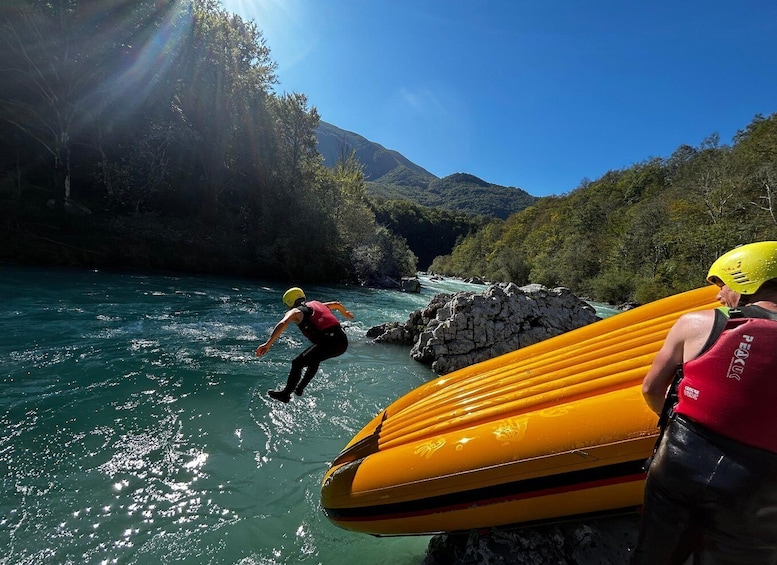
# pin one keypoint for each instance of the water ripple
(135, 425)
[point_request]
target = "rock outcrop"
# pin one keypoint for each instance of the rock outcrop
(605, 541)
(457, 330)
(410, 284)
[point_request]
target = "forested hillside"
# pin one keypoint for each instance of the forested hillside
(640, 233)
(148, 135)
(429, 232)
(376, 160)
(391, 176)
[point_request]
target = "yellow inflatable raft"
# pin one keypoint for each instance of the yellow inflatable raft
(554, 430)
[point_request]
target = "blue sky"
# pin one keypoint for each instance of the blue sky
(535, 94)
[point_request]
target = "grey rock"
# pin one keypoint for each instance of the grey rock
(410, 284)
(457, 330)
(603, 541)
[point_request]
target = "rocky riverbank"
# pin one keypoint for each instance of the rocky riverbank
(458, 330)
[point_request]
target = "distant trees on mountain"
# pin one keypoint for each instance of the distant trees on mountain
(459, 192)
(391, 176)
(428, 231)
(640, 233)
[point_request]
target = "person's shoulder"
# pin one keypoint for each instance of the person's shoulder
(698, 315)
(295, 313)
(696, 321)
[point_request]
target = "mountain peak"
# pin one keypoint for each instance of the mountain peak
(466, 178)
(335, 143)
(392, 176)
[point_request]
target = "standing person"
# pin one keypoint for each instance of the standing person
(711, 488)
(318, 324)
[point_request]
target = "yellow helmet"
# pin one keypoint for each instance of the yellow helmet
(745, 268)
(291, 296)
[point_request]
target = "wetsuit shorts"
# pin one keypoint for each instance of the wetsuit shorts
(710, 497)
(333, 342)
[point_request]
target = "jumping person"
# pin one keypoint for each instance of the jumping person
(318, 324)
(711, 488)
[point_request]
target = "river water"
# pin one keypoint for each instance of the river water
(135, 425)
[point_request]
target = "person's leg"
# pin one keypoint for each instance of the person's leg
(332, 346)
(741, 508)
(309, 374)
(668, 531)
(664, 538)
(304, 359)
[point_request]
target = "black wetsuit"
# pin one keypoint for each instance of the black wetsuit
(711, 497)
(327, 343)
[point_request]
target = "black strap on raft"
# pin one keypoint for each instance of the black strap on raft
(722, 316)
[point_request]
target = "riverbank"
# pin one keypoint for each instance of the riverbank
(138, 243)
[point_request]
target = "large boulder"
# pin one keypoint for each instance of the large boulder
(410, 284)
(458, 330)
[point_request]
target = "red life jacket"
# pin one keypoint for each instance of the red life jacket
(731, 388)
(316, 319)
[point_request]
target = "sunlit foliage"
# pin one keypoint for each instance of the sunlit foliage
(639, 233)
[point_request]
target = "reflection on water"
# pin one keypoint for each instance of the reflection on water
(135, 427)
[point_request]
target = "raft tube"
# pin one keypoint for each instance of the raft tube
(551, 431)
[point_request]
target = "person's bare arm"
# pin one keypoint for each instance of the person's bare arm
(339, 308)
(660, 374)
(683, 343)
(293, 315)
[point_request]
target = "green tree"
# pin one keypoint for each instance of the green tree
(295, 127)
(348, 201)
(429, 232)
(226, 62)
(756, 150)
